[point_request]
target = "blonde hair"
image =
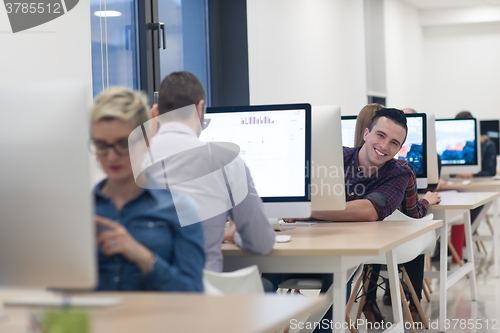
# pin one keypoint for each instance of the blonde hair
(120, 103)
(363, 120)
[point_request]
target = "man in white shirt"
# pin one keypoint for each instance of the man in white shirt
(213, 175)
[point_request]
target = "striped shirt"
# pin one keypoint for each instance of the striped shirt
(411, 206)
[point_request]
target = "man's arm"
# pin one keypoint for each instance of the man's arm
(253, 231)
(376, 205)
(356, 210)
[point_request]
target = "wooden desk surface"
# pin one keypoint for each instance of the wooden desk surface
(478, 183)
(174, 313)
(345, 238)
(463, 200)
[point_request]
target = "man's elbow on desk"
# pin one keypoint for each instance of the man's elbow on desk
(356, 211)
(263, 246)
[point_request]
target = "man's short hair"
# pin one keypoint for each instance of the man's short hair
(179, 89)
(396, 115)
(464, 115)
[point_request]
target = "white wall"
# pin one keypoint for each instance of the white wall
(307, 51)
(462, 69)
(404, 56)
(57, 51)
(376, 84)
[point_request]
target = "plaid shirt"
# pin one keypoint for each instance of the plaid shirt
(385, 189)
(411, 206)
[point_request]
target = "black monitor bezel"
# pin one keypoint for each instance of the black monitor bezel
(496, 141)
(424, 142)
(352, 117)
(308, 123)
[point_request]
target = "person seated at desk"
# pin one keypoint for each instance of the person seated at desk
(488, 169)
(375, 182)
(141, 245)
(180, 111)
(412, 207)
(488, 153)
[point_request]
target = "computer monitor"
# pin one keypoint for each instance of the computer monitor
(348, 130)
(432, 160)
(47, 232)
(414, 149)
(491, 128)
(275, 143)
(327, 167)
(457, 144)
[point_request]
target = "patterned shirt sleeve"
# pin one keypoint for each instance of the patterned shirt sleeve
(388, 195)
(411, 206)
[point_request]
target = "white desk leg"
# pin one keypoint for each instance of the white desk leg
(496, 238)
(339, 300)
(392, 270)
(473, 316)
(443, 275)
(469, 248)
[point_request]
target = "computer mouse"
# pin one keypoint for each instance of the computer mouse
(283, 238)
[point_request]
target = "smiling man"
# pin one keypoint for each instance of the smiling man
(375, 181)
(374, 185)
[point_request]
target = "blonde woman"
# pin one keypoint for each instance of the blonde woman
(141, 245)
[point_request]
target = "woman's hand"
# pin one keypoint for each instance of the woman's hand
(117, 240)
(432, 197)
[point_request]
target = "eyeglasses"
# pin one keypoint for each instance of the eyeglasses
(101, 148)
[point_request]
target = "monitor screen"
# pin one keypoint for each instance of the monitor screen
(491, 128)
(457, 142)
(414, 150)
(348, 130)
(275, 143)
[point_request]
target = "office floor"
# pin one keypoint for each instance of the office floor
(485, 311)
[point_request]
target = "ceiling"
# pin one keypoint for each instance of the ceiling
(431, 4)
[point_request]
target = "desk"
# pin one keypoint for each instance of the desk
(173, 313)
(453, 204)
(335, 248)
(483, 184)
(479, 184)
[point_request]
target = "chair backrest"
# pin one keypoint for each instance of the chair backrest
(242, 281)
(410, 250)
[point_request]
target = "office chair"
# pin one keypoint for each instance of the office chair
(404, 253)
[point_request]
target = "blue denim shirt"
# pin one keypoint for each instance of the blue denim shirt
(152, 220)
